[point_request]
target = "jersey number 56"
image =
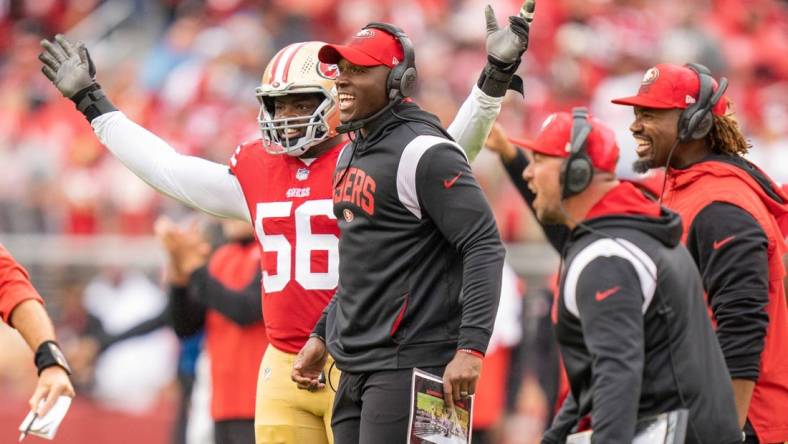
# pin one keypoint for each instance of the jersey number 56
(305, 243)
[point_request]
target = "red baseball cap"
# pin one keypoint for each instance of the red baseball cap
(668, 86)
(553, 140)
(369, 47)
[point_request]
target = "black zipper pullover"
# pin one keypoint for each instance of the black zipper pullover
(633, 329)
(420, 255)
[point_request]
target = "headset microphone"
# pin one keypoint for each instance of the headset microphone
(667, 167)
(355, 125)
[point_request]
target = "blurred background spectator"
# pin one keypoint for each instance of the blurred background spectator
(187, 69)
(129, 375)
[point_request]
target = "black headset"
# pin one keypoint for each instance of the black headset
(577, 171)
(401, 82)
(696, 120)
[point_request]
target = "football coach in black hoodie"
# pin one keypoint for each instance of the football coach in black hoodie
(632, 324)
(420, 255)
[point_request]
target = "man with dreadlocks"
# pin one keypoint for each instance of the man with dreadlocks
(732, 214)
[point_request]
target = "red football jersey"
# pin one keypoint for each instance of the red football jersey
(293, 214)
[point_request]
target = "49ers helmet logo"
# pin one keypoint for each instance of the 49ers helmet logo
(327, 71)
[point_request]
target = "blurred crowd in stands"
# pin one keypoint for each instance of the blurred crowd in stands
(187, 70)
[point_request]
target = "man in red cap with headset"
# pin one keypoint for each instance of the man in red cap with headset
(416, 233)
(732, 213)
(630, 299)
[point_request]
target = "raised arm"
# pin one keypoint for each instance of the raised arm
(514, 162)
(198, 183)
(201, 184)
(474, 120)
(505, 48)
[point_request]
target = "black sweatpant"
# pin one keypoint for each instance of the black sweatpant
(234, 431)
(374, 407)
(749, 434)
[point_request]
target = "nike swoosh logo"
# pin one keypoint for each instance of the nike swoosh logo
(602, 295)
(448, 183)
(718, 244)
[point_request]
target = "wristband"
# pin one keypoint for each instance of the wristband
(473, 352)
(49, 354)
(92, 102)
(315, 335)
(495, 80)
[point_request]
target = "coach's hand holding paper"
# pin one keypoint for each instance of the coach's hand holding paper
(45, 426)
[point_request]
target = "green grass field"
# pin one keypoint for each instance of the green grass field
(435, 406)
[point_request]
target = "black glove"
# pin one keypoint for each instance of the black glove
(505, 48)
(73, 73)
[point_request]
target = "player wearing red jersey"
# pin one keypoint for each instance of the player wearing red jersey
(287, 197)
(293, 217)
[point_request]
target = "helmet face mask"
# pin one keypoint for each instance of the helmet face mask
(312, 128)
(297, 70)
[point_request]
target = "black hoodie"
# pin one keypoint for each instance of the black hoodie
(420, 255)
(633, 329)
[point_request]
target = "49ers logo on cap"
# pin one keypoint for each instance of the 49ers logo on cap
(650, 76)
(548, 121)
(365, 34)
(327, 71)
